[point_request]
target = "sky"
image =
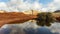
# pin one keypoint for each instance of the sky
(40, 1)
(22, 5)
(4, 0)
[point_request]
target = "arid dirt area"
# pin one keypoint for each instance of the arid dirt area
(14, 17)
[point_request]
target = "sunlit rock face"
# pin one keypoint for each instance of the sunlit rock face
(2, 11)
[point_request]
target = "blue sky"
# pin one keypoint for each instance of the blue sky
(4, 0)
(45, 1)
(40, 1)
(35, 4)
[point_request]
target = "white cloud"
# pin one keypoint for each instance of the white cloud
(36, 5)
(3, 6)
(20, 5)
(54, 5)
(56, 0)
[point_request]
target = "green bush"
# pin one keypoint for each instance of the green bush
(44, 18)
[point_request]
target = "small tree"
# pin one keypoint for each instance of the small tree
(44, 18)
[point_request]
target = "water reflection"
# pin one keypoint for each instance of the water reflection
(41, 30)
(29, 28)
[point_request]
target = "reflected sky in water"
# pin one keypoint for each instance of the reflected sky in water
(30, 28)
